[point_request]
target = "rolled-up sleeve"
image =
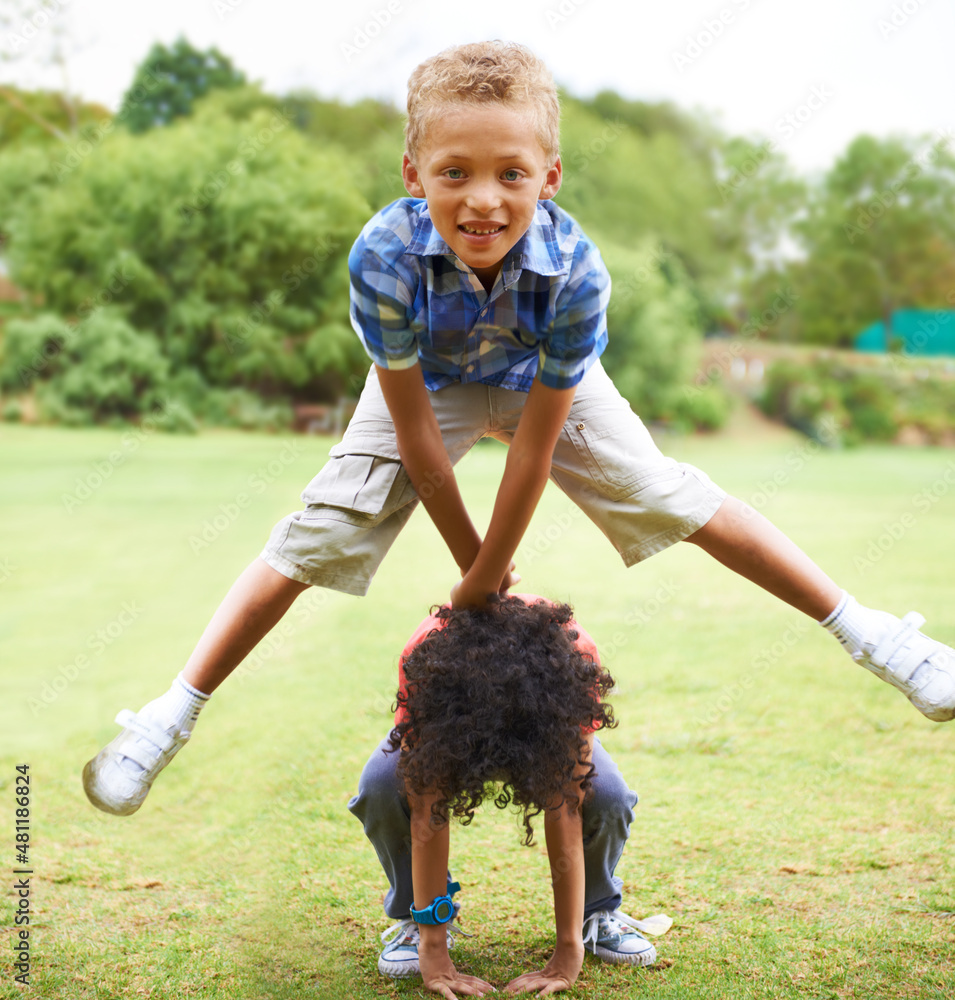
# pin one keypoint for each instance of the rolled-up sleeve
(380, 308)
(578, 334)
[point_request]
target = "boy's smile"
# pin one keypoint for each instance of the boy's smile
(482, 171)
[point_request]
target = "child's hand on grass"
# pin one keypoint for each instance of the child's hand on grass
(559, 974)
(440, 976)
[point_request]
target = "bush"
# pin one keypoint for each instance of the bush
(872, 406)
(653, 322)
(807, 397)
(99, 371)
(705, 409)
(823, 395)
(223, 241)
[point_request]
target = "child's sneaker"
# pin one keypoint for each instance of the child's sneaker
(399, 958)
(117, 780)
(612, 937)
(922, 668)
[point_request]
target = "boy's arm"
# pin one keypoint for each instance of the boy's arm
(429, 876)
(563, 831)
(565, 852)
(426, 461)
(525, 476)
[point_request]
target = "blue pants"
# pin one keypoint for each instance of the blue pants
(382, 807)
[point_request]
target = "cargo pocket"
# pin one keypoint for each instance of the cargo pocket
(607, 447)
(368, 487)
(612, 443)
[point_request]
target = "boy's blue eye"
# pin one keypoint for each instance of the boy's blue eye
(455, 173)
(512, 175)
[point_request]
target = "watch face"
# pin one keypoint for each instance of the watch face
(443, 910)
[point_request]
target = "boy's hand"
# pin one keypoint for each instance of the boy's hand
(466, 594)
(440, 976)
(511, 579)
(560, 973)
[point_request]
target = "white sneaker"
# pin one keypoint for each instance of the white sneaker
(613, 937)
(920, 667)
(117, 780)
(399, 957)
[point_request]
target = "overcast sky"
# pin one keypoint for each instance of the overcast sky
(839, 67)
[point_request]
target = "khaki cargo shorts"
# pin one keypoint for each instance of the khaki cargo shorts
(605, 461)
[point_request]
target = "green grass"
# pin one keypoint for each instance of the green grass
(796, 815)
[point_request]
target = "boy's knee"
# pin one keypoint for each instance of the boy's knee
(611, 801)
(379, 788)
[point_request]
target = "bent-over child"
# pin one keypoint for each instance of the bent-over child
(500, 702)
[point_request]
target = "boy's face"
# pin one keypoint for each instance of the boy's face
(482, 170)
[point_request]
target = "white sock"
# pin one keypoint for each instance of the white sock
(175, 711)
(179, 706)
(852, 624)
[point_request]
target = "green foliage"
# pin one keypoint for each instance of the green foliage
(370, 130)
(871, 404)
(634, 170)
(169, 82)
(705, 408)
(37, 117)
(101, 370)
(759, 195)
(224, 235)
(879, 235)
(224, 239)
(654, 335)
(834, 401)
(630, 187)
(30, 347)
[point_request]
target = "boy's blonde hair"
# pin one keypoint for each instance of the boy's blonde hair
(481, 73)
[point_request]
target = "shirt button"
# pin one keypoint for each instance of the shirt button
(580, 426)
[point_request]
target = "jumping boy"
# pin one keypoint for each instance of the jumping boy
(510, 693)
(483, 307)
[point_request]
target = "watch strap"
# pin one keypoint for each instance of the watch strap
(440, 910)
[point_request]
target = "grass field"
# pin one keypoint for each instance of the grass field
(797, 816)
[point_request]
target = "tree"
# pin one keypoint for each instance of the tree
(169, 82)
(222, 241)
(720, 203)
(43, 117)
(97, 371)
(653, 323)
(372, 130)
(879, 235)
(39, 35)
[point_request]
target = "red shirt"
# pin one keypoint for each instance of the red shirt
(584, 643)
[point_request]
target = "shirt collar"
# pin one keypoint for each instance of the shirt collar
(425, 240)
(537, 250)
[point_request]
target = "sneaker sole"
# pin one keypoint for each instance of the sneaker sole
(399, 970)
(934, 712)
(620, 958)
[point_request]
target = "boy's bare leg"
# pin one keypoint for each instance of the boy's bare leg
(253, 606)
(751, 545)
(894, 650)
(118, 779)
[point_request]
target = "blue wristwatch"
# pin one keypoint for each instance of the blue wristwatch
(439, 911)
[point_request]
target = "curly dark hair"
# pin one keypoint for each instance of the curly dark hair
(500, 694)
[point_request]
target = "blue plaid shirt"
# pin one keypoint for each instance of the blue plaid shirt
(413, 300)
